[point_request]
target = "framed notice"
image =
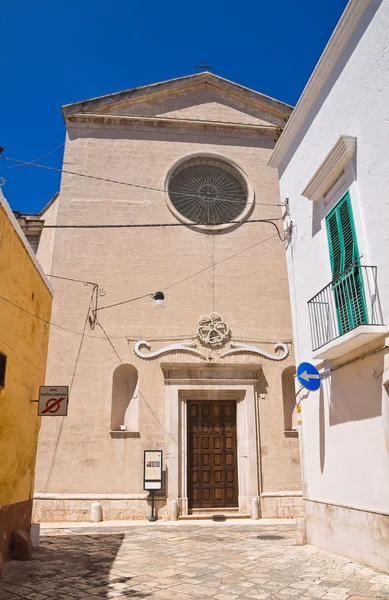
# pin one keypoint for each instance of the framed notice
(53, 401)
(152, 470)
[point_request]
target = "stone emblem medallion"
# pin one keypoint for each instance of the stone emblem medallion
(212, 329)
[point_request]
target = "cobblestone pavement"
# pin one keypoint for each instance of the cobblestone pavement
(186, 562)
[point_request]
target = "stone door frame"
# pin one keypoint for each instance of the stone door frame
(185, 382)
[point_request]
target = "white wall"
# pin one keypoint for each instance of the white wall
(346, 429)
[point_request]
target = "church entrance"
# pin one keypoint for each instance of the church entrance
(212, 454)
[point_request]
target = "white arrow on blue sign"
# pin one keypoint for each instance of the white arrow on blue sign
(308, 376)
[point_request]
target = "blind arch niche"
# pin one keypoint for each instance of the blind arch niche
(289, 398)
(125, 398)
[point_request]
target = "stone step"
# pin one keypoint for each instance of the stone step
(233, 509)
(215, 516)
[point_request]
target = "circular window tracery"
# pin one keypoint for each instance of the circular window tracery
(208, 191)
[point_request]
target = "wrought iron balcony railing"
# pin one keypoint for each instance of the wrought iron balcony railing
(350, 300)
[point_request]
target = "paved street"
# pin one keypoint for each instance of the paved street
(186, 561)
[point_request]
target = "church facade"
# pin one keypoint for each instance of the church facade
(167, 198)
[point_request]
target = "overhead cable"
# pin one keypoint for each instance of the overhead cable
(132, 299)
(125, 301)
(81, 341)
(217, 263)
(35, 159)
(118, 182)
(70, 279)
(163, 225)
(110, 341)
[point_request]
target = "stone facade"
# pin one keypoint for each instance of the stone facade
(137, 137)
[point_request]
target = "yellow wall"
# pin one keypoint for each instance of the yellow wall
(24, 340)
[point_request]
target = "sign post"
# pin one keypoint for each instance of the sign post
(152, 480)
(53, 401)
(308, 376)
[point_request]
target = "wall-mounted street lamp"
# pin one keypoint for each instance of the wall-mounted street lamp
(159, 300)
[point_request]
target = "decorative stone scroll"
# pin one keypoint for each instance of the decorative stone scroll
(213, 332)
(180, 347)
(237, 348)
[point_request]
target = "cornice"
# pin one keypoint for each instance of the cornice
(159, 122)
(152, 92)
(332, 52)
(331, 168)
(223, 87)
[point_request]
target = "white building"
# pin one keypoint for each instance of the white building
(333, 162)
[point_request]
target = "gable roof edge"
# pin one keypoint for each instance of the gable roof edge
(176, 85)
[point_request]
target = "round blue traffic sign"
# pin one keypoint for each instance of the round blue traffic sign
(308, 376)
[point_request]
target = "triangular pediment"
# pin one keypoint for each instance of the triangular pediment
(202, 97)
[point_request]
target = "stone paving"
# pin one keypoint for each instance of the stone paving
(249, 561)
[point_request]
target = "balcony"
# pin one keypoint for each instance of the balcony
(346, 313)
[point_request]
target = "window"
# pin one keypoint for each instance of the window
(3, 365)
(208, 191)
(347, 284)
(124, 414)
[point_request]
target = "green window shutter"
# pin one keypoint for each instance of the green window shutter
(347, 283)
(350, 250)
(334, 240)
(342, 239)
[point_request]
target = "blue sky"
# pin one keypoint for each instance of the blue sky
(57, 52)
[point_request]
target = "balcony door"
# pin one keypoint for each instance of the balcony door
(347, 284)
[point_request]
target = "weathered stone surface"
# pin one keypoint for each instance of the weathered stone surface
(179, 561)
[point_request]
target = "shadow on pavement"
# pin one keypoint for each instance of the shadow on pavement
(69, 566)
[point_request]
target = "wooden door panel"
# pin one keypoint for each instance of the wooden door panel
(229, 460)
(212, 454)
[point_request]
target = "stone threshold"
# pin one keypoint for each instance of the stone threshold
(214, 516)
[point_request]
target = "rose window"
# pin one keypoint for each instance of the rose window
(208, 191)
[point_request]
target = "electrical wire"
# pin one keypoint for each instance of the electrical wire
(35, 159)
(149, 225)
(214, 264)
(95, 177)
(217, 263)
(24, 310)
(45, 321)
(133, 299)
(110, 341)
(81, 342)
(125, 301)
(70, 279)
(59, 434)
